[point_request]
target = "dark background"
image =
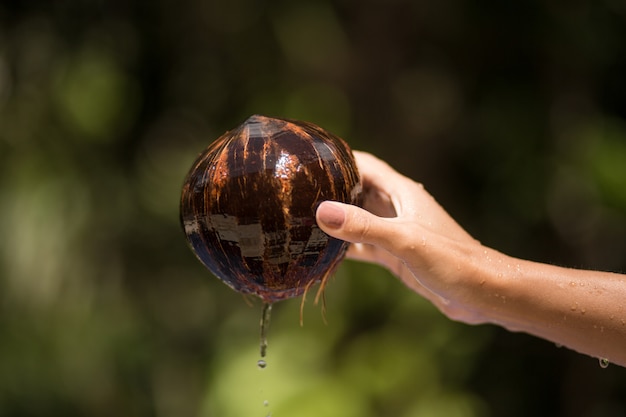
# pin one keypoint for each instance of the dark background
(511, 113)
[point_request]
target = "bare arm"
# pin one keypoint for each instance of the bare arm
(404, 229)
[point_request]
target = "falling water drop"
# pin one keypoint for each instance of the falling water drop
(604, 363)
(265, 322)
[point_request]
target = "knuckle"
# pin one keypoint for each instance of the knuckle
(364, 229)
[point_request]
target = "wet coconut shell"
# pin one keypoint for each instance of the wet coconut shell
(248, 205)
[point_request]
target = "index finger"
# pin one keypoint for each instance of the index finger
(382, 183)
(374, 171)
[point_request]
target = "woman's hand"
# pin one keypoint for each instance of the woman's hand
(402, 228)
(405, 230)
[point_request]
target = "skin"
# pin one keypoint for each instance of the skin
(405, 230)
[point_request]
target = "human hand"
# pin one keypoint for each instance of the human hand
(404, 229)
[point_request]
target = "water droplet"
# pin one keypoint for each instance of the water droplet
(604, 363)
(265, 323)
(266, 403)
(583, 311)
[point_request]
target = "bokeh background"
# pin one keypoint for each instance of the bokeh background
(511, 113)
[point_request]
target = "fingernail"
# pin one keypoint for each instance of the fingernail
(331, 214)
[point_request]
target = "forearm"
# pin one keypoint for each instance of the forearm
(582, 310)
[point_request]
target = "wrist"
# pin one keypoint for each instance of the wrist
(492, 287)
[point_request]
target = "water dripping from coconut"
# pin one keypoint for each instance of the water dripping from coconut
(265, 322)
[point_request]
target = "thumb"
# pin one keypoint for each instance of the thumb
(353, 224)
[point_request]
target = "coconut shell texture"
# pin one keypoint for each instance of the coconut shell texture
(248, 205)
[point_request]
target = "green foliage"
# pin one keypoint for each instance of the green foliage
(604, 156)
(511, 114)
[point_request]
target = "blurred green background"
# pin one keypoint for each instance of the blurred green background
(513, 114)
